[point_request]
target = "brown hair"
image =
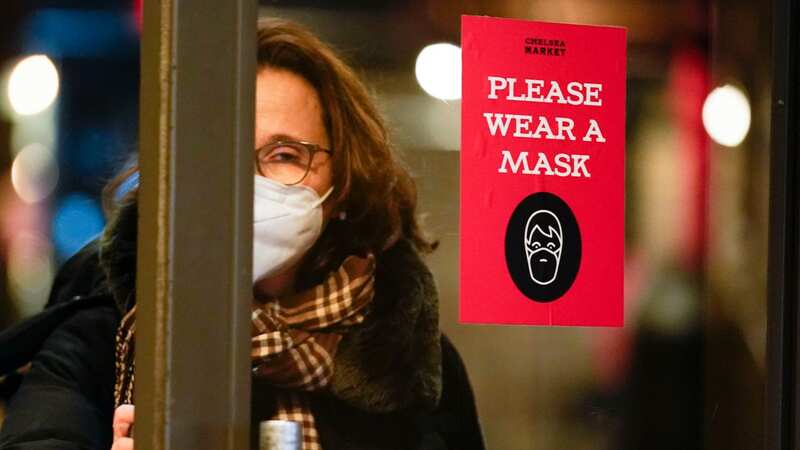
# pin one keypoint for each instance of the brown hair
(370, 183)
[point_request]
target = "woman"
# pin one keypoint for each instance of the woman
(381, 374)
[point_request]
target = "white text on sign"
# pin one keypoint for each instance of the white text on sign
(543, 127)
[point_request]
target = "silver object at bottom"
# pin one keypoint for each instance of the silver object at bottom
(280, 435)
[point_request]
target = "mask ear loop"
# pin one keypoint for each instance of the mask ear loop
(323, 198)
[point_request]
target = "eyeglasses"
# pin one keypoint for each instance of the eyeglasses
(287, 162)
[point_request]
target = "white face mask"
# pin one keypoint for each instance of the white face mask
(287, 220)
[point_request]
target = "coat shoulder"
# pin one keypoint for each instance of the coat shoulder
(65, 400)
(81, 274)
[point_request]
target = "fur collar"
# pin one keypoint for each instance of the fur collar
(391, 362)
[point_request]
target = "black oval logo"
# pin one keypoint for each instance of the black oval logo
(543, 247)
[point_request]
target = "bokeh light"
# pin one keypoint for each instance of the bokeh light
(726, 115)
(40, 128)
(78, 219)
(30, 272)
(130, 183)
(33, 85)
(34, 173)
(438, 71)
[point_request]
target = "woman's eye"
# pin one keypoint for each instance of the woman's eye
(284, 154)
(551, 245)
(536, 244)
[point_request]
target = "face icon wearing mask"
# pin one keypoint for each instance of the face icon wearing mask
(543, 242)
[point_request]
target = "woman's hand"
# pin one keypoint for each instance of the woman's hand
(123, 422)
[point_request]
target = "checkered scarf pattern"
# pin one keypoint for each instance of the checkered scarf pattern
(293, 340)
(123, 388)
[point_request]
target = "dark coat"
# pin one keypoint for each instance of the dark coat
(399, 383)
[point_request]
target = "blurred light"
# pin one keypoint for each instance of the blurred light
(138, 11)
(30, 272)
(34, 129)
(77, 220)
(726, 115)
(438, 70)
(33, 85)
(130, 183)
(34, 173)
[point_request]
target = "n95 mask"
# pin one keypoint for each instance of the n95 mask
(287, 220)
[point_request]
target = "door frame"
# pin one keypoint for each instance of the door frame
(783, 276)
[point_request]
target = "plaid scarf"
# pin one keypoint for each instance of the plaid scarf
(293, 340)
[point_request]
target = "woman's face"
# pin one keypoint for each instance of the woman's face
(288, 108)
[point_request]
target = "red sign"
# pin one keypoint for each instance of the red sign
(542, 173)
